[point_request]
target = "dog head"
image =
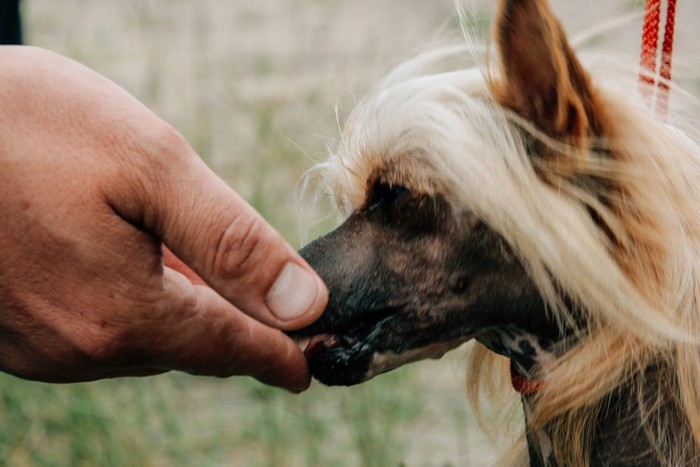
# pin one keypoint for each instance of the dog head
(411, 275)
(448, 180)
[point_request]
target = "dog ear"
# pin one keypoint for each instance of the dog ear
(542, 80)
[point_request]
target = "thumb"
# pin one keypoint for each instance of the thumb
(225, 241)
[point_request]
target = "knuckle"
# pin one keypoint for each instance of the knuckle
(104, 343)
(234, 365)
(238, 247)
(117, 334)
(160, 139)
(163, 150)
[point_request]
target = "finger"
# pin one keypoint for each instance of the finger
(201, 333)
(173, 262)
(136, 372)
(224, 240)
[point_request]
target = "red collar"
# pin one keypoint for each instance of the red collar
(522, 384)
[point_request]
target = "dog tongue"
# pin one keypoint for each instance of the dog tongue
(319, 343)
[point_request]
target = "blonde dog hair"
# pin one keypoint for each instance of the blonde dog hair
(625, 250)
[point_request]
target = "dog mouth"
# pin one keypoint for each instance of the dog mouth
(340, 353)
(379, 342)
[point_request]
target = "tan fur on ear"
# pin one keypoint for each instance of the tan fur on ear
(542, 80)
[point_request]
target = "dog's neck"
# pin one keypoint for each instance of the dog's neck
(621, 434)
(531, 356)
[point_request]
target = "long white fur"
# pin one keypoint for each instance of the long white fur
(449, 120)
(451, 137)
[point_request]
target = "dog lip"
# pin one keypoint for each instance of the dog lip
(336, 360)
(360, 325)
(320, 343)
(338, 353)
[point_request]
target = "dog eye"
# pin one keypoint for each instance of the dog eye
(384, 195)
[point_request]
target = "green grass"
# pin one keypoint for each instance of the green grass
(182, 420)
(106, 423)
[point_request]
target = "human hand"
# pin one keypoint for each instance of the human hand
(91, 185)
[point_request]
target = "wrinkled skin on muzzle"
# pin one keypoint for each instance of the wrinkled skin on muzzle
(409, 278)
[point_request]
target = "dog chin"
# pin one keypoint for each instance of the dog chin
(337, 360)
(387, 361)
(340, 361)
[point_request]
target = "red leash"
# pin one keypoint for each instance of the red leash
(651, 75)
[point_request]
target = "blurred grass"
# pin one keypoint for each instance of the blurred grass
(181, 420)
(251, 85)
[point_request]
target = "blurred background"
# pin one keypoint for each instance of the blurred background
(254, 86)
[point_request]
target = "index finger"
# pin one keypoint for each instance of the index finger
(200, 333)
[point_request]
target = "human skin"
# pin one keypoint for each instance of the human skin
(92, 185)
